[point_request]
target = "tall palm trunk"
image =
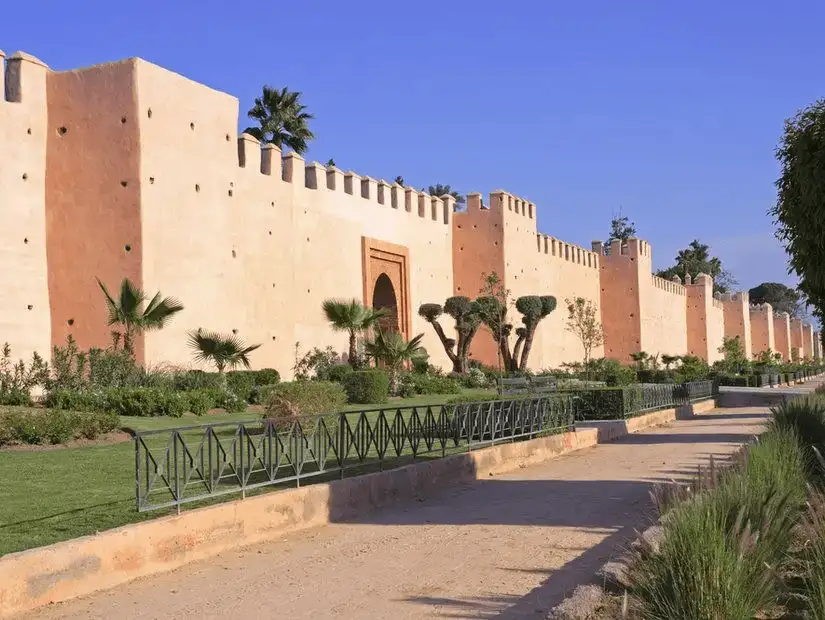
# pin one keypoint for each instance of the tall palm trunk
(353, 349)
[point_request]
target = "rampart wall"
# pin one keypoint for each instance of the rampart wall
(24, 302)
(762, 334)
(782, 334)
(705, 320)
(650, 313)
(736, 313)
(127, 169)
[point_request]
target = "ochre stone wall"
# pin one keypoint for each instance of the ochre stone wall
(24, 301)
(651, 313)
(536, 264)
(762, 335)
(93, 223)
(782, 334)
(737, 321)
(127, 169)
(705, 320)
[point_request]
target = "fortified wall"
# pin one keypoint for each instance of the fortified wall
(127, 169)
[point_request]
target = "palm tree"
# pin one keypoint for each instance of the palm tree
(394, 351)
(223, 351)
(440, 190)
(282, 119)
(351, 316)
(128, 312)
(667, 360)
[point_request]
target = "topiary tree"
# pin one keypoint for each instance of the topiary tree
(467, 315)
(533, 309)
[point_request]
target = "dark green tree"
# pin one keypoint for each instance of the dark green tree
(330, 163)
(782, 298)
(467, 316)
(400, 180)
(445, 190)
(799, 212)
(282, 119)
(533, 309)
(696, 259)
(621, 228)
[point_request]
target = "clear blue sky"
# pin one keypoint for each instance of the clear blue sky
(669, 111)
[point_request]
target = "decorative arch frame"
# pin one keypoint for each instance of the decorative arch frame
(393, 261)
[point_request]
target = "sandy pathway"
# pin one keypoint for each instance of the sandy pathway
(509, 546)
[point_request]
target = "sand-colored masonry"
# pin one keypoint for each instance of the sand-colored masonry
(127, 169)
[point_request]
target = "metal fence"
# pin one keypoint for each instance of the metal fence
(177, 466)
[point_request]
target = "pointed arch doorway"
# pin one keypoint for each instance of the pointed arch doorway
(386, 283)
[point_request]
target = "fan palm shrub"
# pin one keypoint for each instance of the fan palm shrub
(393, 351)
(128, 312)
(353, 318)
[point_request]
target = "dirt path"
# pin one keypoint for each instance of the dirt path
(510, 546)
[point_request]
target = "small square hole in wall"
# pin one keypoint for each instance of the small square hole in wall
(25, 176)
(197, 187)
(29, 131)
(192, 126)
(25, 240)
(29, 307)
(122, 120)
(127, 247)
(70, 322)
(228, 138)
(235, 331)
(149, 112)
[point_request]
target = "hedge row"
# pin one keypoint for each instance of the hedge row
(146, 402)
(54, 426)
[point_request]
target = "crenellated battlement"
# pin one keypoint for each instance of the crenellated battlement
(668, 285)
(23, 78)
(508, 202)
(317, 177)
(761, 308)
(576, 254)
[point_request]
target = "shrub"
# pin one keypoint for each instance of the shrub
(145, 402)
(231, 402)
(91, 425)
(603, 403)
(340, 372)
(429, 384)
(203, 399)
(287, 401)
(15, 397)
(813, 558)
(367, 387)
(75, 400)
(53, 426)
(267, 376)
(197, 379)
(805, 417)
(475, 378)
(241, 382)
(315, 364)
(17, 378)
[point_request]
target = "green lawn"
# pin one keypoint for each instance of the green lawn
(51, 495)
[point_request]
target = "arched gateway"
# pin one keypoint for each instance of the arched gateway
(386, 283)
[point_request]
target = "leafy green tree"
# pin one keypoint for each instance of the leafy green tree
(696, 259)
(128, 312)
(799, 211)
(353, 318)
(782, 298)
(620, 228)
(583, 322)
(330, 163)
(734, 360)
(467, 315)
(224, 351)
(445, 190)
(282, 119)
(393, 350)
